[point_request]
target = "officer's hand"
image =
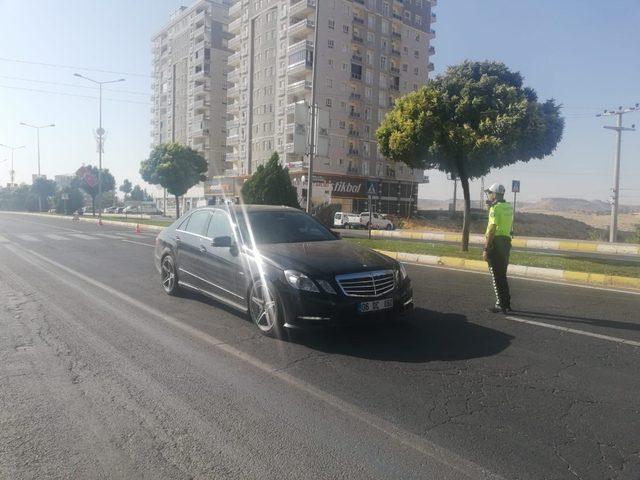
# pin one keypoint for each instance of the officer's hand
(484, 255)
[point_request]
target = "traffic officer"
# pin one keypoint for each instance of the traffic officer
(498, 245)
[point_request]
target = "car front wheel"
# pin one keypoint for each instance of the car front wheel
(265, 309)
(169, 276)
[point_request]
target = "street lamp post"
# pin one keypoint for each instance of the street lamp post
(38, 128)
(12, 172)
(100, 133)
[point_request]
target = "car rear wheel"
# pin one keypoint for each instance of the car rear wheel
(265, 309)
(169, 276)
(389, 227)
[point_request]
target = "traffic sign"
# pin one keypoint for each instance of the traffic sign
(373, 188)
(64, 196)
(515, 186)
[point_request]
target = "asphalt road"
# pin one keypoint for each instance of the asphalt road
(104, 376)
(614, 257)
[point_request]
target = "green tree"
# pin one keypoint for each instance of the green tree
(75, 201)
(87, 180)
(270, 185)
(42, 189)
(137, 194)
(14, 199)
(476, 117)
(126, 188)
(174, 167)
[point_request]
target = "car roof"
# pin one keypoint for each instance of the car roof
(251, 208)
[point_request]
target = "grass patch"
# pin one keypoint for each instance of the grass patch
(560, 262)
(141, 221)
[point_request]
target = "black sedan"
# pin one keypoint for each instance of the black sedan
(281, 266)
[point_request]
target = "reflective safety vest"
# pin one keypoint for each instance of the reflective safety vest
(501, 215)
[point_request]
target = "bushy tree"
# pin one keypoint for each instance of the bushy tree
(137, 194)
(476, 117)
(87, 180)
(126, 188)
(42, 189)
(270, 185)
(75, 201)
(175, 167)
(14, 199)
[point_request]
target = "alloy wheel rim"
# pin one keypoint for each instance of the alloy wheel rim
(263, 307)
(168, 275)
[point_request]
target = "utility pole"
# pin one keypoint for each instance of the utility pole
(38, 128)
(314, 110)
(12, 172)
(100, 134)
(615, 193)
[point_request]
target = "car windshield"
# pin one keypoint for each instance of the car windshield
(284, 227)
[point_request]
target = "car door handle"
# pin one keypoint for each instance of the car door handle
(203, 249)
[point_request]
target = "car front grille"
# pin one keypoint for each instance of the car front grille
(367, 284)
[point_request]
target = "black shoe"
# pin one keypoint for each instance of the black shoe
(497, 310)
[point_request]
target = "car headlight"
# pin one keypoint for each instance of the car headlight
(300, 281)
(403, 272)
(326, 286)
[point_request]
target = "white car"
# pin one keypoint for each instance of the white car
(378, 221)
(346, 220)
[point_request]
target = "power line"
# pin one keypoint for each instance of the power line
(71, 67)
(74, 95)
(131, 92)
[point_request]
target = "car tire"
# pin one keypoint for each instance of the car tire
(389, 227)
(268, 318)
(169, 276)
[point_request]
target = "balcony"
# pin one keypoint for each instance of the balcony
(300, 30)
(355, 96)
(302, 45)
(234, 27)
(302, 7)
(356, 76)
(232, 124)
(233, 140)
(234, 59)
(353, 152)
(432, 50)
(235, 43)
(354, 133)
(396, 34)
(397, 16)
(302, 86)
(395, 52)
(434, 3)
(356, 58)
(300, 68)
(199, 19)
(431, 67)
(235, 10)
(357, 38)
(200, 90)
(200, 105)
(233, 92)
(233, 108)
(431, 34)
(353, 170)
(200, 130)
(358, 20)
(434, 18)
(234, 76)
(395, 70)
(354, 114)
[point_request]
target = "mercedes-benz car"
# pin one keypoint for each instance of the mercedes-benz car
(281, 266)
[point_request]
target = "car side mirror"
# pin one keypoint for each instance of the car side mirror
(224, 241)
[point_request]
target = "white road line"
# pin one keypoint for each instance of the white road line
(138, 243)
(608, 338)
(528, 279)
(406, 438)
(53, 236)
(107, 235)
(28, 238)
(82, 236)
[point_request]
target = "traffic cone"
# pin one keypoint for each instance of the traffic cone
(138, 228)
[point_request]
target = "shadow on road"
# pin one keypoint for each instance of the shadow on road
(583, 320)
(425, 336)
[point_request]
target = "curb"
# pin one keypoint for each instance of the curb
(581, 246)
(132, 225)
(568, 276)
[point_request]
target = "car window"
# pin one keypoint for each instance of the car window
(198, 222)
(219, 225)
(183, 224)
(284, 227)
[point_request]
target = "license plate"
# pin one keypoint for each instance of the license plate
(375, 305)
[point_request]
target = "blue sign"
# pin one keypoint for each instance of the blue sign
(373, 188)
(515, 186)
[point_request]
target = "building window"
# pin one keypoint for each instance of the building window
(330, 43)
(328, 102)
(345, 28)
(332, 24)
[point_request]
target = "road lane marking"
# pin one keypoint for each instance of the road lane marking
(107, 235)
(139, 243)
(608, 338)
(82, 236)
(528, 279)
(53, 236)
(387, 428)
(27, 238)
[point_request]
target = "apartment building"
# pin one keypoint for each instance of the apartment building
(368, 53)
(190, 81)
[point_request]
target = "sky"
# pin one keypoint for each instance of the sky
(583, 53)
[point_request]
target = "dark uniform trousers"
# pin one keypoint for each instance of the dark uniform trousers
(498, 259)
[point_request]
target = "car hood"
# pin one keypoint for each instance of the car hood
(327, 258)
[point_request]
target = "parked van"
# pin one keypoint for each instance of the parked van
(346, 220)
